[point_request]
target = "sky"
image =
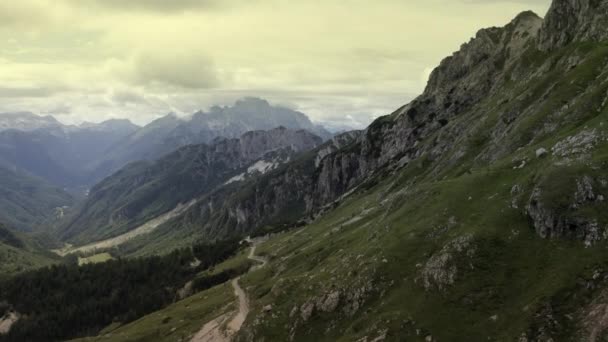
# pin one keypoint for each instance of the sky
(339, 61)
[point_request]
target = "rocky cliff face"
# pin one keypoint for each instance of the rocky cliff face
(460, 82)
(574, 20)
(446, 204)
(478, 107)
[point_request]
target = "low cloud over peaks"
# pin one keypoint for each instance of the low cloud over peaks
(143, 58)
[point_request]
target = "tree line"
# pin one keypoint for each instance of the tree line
(67, 301)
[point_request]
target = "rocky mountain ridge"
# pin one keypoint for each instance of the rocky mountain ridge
(574, 21)
(477, 212)
(447, 127)
(144, 190)
(26, 121)
(391, 142)
(58, 153)
(171, 132)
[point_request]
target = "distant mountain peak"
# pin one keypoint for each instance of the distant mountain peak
(250, 100)
(525, 15)
(26, 121)
(110, 124)
(168, 118)
(118, 121)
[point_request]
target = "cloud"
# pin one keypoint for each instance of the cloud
(8, 92)
(31, 14)
(125, 97)
(160, 6)
(60, 110)
(142, 58)
(182, 69)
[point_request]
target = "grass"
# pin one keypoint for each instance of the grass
(178, 322)
(15, 260)
(238, 262)
(373, 248)
(498, 292)
(94, 259)
(513, 270)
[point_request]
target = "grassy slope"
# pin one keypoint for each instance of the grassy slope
(176, 322)
(378, 241)
(513, 271)
(14, 260)
(19, 252)
(95, 259)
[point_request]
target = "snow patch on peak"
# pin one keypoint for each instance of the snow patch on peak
(259, 167)
(262, 166)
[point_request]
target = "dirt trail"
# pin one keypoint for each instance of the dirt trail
(212, 331)
(261, 260)
(7, 322)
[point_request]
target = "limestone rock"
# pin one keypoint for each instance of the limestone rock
(441, 270)
(574, 21)
(553, 222)
(541, 152)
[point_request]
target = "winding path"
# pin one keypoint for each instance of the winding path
(212, 331)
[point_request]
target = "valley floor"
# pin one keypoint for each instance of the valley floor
(146, 228)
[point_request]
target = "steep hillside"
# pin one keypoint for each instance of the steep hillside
(223, 212)
(27, 202)
(145, 190)
(19, 253)
(495, 97)
(477, 212)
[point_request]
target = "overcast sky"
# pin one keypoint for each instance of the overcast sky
(336, 60)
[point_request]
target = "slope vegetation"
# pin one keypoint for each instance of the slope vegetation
(19, 253)
(26, 202)
(477, 212)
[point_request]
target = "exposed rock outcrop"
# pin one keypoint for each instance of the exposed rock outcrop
(311, 183)
(442, 269)
(440, 127)
(562, 218)
(574, 20)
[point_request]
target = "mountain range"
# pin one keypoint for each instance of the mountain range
(77, 157)
(170, 132)
(60, 154)
(145, 190)
(54, 158)
(475, 212)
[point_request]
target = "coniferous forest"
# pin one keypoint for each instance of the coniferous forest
(68, 301)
